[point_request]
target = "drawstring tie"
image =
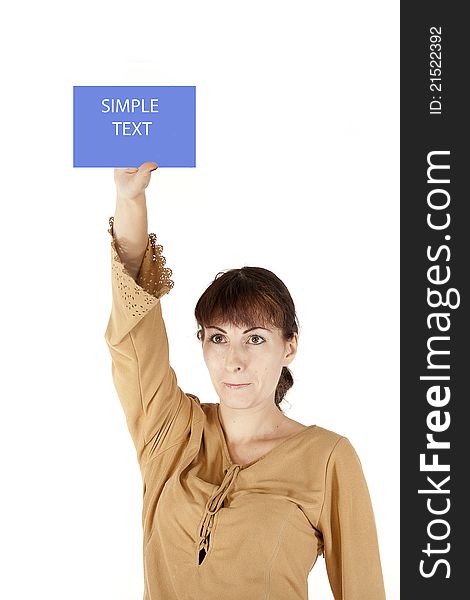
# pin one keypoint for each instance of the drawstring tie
(214, 503)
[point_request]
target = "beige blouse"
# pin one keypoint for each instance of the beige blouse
(216, 530)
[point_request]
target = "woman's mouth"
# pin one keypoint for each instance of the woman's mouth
(235, 386)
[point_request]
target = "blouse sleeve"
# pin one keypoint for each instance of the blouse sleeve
(158, 412)
(347, 524)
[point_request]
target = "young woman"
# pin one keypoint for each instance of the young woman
(238, 499)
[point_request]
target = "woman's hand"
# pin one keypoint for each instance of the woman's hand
(131, 183)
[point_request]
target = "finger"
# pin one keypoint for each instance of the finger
(148, 166)
(125, 170)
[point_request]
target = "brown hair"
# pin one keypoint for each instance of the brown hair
(248, 297)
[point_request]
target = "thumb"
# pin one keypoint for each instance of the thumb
(147, 167)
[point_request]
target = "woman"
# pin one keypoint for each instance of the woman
(238, 499)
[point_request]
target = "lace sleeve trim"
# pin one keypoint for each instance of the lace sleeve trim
(153, 277)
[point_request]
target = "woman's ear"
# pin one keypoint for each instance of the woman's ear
(291, 348)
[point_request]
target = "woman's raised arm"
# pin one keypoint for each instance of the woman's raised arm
(158, 412)
(130, 217)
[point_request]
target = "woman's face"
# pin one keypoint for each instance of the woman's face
(244, 355)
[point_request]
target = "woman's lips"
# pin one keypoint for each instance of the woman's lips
(234, 386)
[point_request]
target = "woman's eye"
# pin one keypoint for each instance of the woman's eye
(257, 340)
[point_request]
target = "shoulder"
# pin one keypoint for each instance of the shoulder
(340, 457)
(330, 447)
(327, 438)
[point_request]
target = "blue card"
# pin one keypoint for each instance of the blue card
(125, 126)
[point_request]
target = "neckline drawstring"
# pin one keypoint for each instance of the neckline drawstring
(215, 503)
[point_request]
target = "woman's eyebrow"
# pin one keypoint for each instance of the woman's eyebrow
(246, 331)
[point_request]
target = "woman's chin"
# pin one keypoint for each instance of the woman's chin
(236, 395)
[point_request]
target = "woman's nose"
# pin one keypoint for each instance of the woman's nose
(234, 359)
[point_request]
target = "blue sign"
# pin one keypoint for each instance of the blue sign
(125, 126)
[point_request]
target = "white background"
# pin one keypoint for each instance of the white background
(297, 171)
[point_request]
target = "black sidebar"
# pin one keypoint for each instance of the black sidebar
(434, 300)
